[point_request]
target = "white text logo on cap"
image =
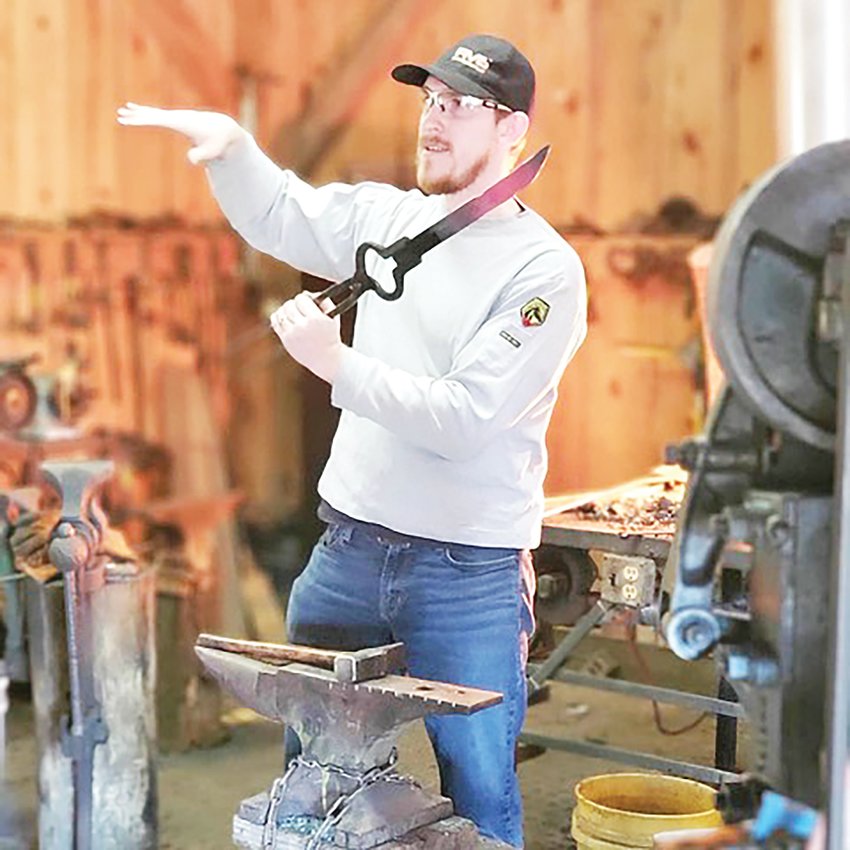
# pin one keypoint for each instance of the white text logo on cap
(477, 61)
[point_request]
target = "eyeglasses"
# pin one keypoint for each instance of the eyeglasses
(457, 105)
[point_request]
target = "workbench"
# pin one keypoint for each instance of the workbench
(567, 531)
(638, 549)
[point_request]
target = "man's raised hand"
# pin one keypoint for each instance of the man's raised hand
(211, 133)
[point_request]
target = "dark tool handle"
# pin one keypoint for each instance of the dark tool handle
(361, 281)
(404, 260)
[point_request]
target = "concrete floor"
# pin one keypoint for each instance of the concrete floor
(199, 791)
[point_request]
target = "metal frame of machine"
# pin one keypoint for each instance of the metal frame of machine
(758, 576)
(760, 569)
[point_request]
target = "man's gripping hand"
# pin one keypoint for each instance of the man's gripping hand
(310, 336)
(211, 133)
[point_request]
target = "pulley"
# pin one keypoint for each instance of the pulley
(769, 293)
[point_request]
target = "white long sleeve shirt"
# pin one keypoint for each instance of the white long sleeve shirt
(446, 393)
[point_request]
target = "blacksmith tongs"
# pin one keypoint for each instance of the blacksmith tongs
(407, 252)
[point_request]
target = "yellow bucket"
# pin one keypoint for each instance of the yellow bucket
(627, 809)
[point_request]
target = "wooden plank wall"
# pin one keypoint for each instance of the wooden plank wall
(118, 307)
(641, 99)
(633, 387)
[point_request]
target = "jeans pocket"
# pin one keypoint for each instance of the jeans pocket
(479, 557)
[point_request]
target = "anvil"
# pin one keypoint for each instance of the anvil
(348, 732)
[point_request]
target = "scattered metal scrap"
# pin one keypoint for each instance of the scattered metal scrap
(646, 505)
(630, 515)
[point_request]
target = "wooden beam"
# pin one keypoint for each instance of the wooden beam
(189, 51)
(303, 142)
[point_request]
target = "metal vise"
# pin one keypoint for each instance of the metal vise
(348, 710)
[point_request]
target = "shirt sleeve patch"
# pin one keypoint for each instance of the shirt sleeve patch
(534, 312)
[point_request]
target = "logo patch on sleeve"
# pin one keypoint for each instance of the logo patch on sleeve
(534, 312)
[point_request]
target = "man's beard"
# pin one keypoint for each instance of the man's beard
(448, 184)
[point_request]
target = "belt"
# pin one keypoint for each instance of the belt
(329, 514)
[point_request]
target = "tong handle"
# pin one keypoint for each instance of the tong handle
(336, 289)
(361, 281)
(403, 264)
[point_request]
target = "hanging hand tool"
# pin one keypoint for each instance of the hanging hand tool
(17, 394)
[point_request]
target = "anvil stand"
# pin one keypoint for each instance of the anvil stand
(72, 548)
(343, 790)
(11, 834)
(93, 699)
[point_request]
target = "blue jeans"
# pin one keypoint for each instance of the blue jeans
(464, 614)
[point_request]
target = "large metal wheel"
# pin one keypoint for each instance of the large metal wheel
(764, 287)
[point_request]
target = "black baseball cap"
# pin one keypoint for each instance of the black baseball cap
(481, 65)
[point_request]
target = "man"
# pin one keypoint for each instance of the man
(433, 490)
